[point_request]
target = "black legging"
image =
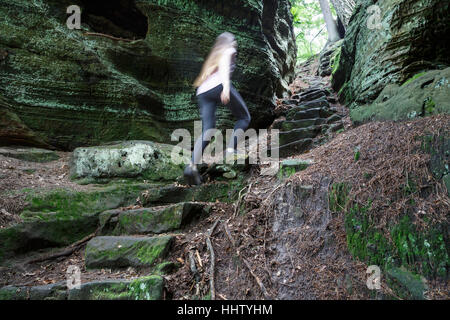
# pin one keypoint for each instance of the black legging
(208, 102)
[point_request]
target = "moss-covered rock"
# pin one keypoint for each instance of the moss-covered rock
(60, 217)
(120, 252)
(411, 39)
(223, 191)
(13, 293)
(150, 220)
(131, 159)
(29, 154)
(67, 204)
(71, 89)
(425, 95)
(290, 166)
(38, 234)
(406, 284)
(146, 288)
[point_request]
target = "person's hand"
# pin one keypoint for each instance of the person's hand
(225, 96)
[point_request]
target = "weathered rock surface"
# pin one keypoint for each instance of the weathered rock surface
(150, 220)
(427, 94)
(129, 159)
(69, 89)
(60, 217)
(309, 114)
(410, 39)
(291, 166)
(29, 154)
(120, 252)
(146, 288)
(53, 232)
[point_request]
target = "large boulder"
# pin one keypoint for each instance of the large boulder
(130, 159)
(409, 39)
(133, 78)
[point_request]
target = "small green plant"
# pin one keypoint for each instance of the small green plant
(413, 78)
(428, 106)
(338, 196)
(356, 154)
(367, 175)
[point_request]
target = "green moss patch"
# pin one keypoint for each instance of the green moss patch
(120, 252)
(150, 220)
(69, 204)
(145, 288)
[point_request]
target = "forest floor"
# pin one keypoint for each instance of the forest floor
(247, 246)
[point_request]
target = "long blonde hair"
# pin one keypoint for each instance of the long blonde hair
(224, 41)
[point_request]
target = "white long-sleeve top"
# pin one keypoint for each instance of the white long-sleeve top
(222, 75)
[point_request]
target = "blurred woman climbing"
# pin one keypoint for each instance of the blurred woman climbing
(213, 87)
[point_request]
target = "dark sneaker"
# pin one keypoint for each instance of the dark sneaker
(192, 176)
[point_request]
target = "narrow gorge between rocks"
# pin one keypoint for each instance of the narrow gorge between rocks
(89, 184)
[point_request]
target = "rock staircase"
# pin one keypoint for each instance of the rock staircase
(126, 235)
(306, 115)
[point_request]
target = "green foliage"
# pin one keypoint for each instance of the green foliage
(421, 252)
(413, 78)
(429, 106)
(311, 34)
(338, 197)
(425, 253)
(356, 154)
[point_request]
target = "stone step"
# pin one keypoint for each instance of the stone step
(291, 166)
(60, 217)
(333, 118)
(298, 124)
(295, 147)
(332, 99)
(224, 191)
(314, 95)
(297, 134)
(336, 126)
(310, 114)
(144, 288)
(150, 220)
(50, 233)
(29, 154)
(126, 251)
(319, 103)
(291, 101)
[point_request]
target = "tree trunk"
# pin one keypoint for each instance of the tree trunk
(333, 34)
(344, 10)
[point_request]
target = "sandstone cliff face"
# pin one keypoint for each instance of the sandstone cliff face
(344, 9)
(69, 89)
(411, 40)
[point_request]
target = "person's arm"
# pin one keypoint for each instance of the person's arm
(224, 73)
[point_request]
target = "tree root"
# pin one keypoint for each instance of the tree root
(257, 279)
(213, 261)
(68, 251)
(96, 34)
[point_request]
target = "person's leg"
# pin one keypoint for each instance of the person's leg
(240, 112)
(207, 104)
